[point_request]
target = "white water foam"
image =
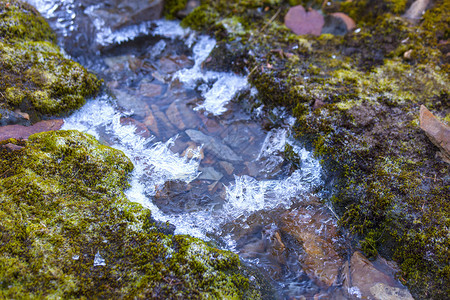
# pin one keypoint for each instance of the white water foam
(154, 163)
(225, 86)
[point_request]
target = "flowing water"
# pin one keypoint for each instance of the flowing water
(203, 162)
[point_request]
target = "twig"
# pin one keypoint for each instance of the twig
(271, 19)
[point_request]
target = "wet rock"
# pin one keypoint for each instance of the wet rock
(171, 64)
(119, 13)
(131, 103)
(141, 129)
(20, 132)
(303, 22)
(382, 291)
(151, 123)
(189, 152)
(416, 10)
(214, 145)
(317, 231)
(163, 121)
(8, 117)
(437, 132)
(227, 167)
(363, 278)
(148, 89)
(174, 116)
(338, 24)
(209, 173)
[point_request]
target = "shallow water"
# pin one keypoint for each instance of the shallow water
(203, 162)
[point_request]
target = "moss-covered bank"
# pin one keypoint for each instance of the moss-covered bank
(35, 77)
(68, 231)
(356, 99)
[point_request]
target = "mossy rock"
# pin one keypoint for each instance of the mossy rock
(356, 99)
(68, 231)
(35, 75)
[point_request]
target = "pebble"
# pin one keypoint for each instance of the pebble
(214, 145)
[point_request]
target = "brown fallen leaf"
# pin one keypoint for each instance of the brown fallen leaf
(437, 132)
(303, 22)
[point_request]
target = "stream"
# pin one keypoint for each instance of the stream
(205, 161)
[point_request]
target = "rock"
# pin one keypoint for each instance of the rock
(141, 129)
(437, 132)
(20, 132)
(171, 64)
(8, 117)
(209, 173)
(131, 103)
(381, 291)
(214, 145)
(163, 120)
(151, 123)
(338, 24)
(363, 278)
(22, 114)
(313, 228)
(302, 22)
(148, 89)
(120, 13)
(174, 116)
(227, 167)
(63, 210)
(416, 10)
(189, 152)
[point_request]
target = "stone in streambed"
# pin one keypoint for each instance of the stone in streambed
(317, 232)
(161, 117)
(141, 129)
(209, 173)
(302, 22)
(227, 167)
(362, 276)
(214, 145)
(148, 89)
(174, 116)
(20, 132)
(131, 103)
(151, 123)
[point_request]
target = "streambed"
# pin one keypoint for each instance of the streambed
(205, 160)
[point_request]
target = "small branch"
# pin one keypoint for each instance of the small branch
(271, 19)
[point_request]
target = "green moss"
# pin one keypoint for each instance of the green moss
(19, 20)
(171, 7)
(35, 75)
(62, 204)
(356, 99)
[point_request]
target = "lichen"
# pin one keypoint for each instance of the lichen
(68, 231)
(35, 76)
(356, 100)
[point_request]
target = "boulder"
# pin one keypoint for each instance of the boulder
(20, 132)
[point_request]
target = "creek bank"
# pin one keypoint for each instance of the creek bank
(356, 99)
(36, 79)
(68, 230)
